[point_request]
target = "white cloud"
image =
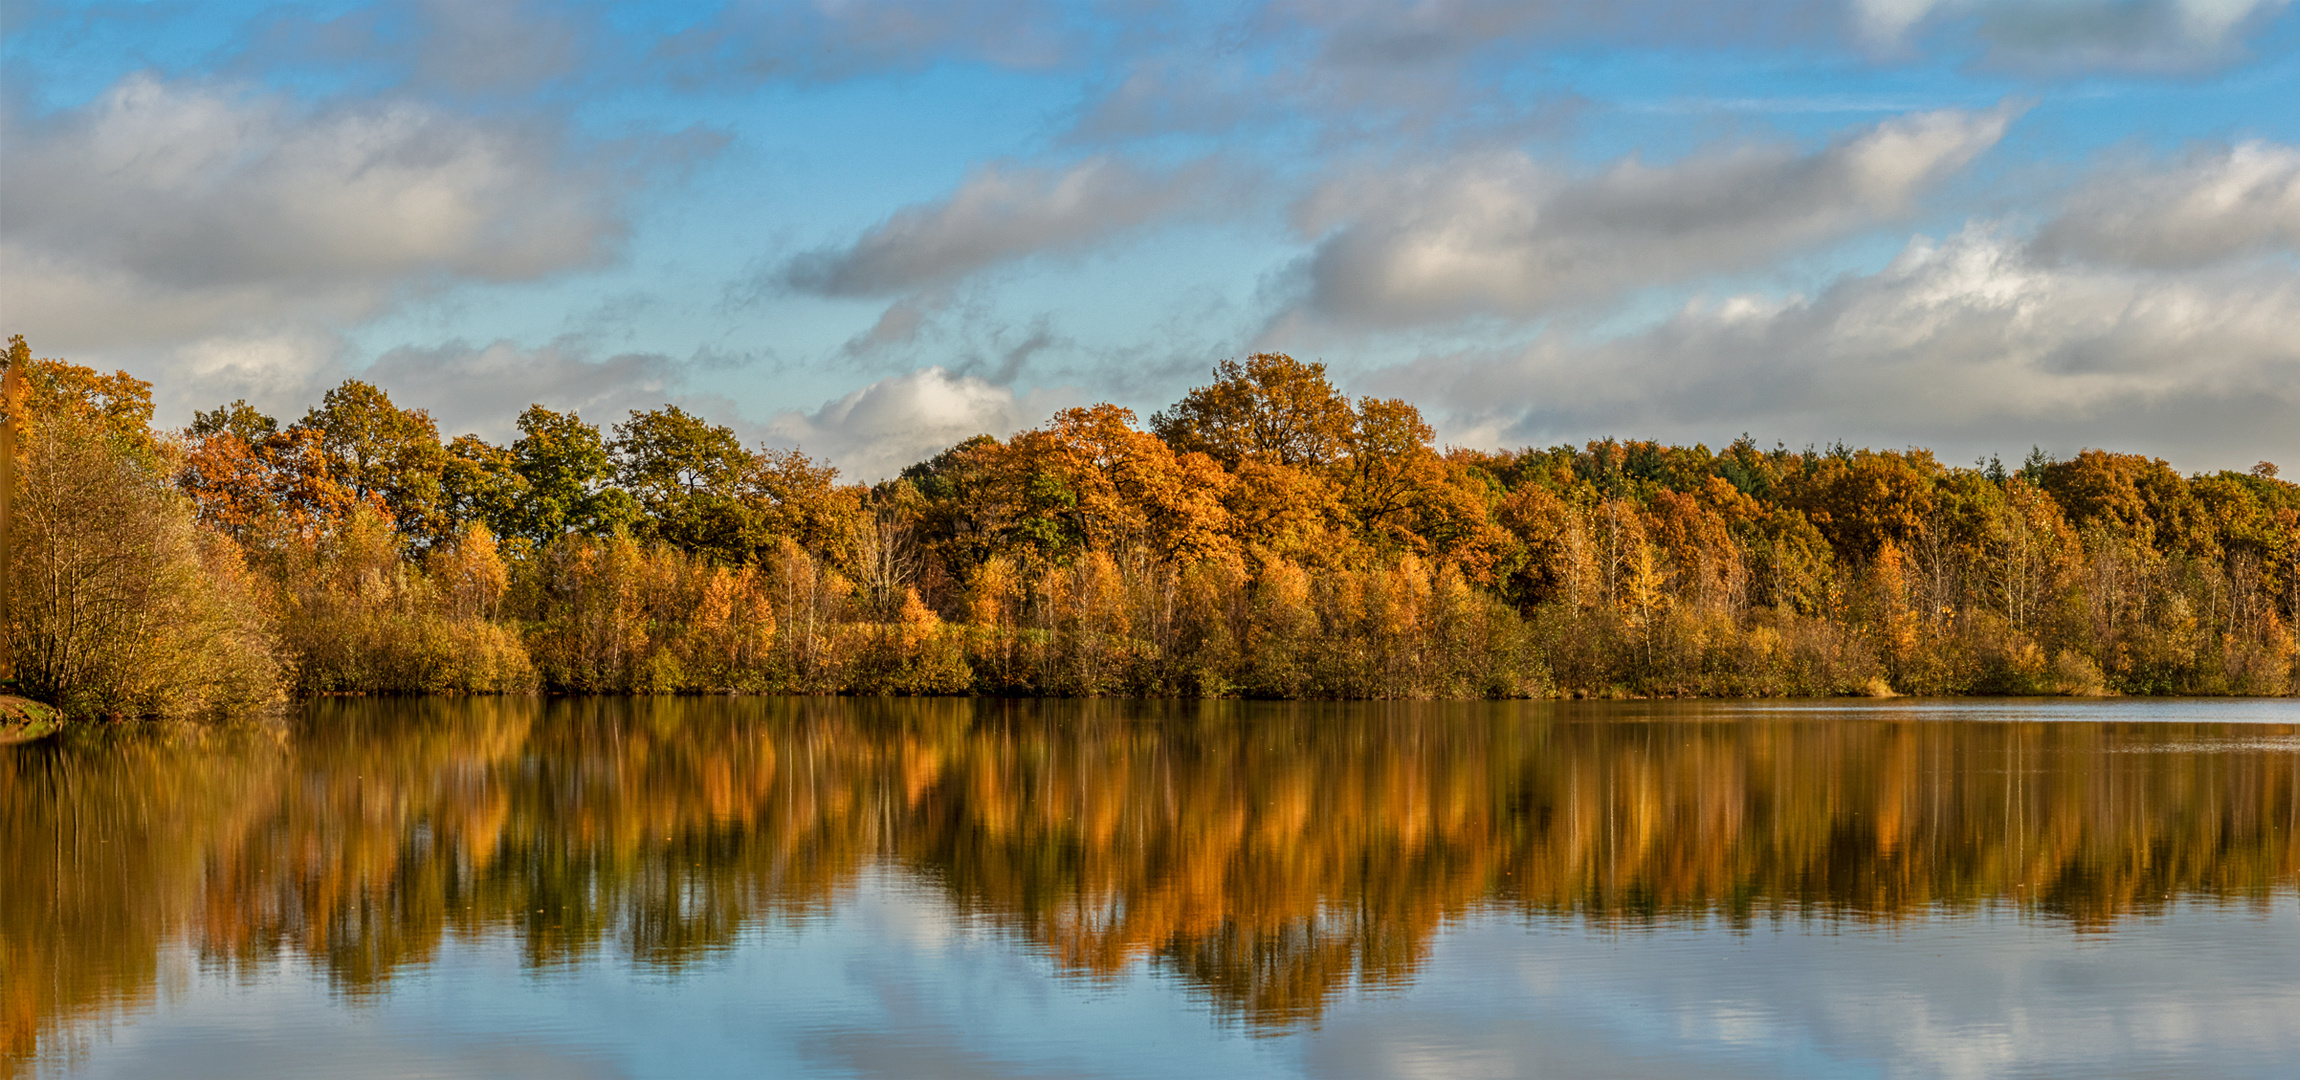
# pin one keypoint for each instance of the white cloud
(164, 212)
(1966, 345)
(2219, 203)
(1002, 212)
(281, 370)
(875, 432)
(1500, 234)
(219, 242)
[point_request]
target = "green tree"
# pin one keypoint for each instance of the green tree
(480, 483)
(381, 450)
(686, 475)
(957, 538)
(569, 477)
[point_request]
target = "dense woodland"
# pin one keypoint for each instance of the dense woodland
(1266, 536)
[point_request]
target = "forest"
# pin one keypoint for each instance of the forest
(1264, 537)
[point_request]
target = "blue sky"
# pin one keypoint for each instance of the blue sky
(872, 228)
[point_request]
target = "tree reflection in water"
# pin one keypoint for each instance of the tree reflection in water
(1269, 854)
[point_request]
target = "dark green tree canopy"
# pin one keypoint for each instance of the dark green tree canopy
(569, 475)
(686, 476)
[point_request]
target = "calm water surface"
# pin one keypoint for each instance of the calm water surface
(690, 887)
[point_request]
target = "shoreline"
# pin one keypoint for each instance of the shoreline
(24, 720)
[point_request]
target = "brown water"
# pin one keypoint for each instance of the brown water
(738, 887)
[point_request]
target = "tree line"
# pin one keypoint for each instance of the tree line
(1266, 536)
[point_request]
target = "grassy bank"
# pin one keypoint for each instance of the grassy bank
(22, 719)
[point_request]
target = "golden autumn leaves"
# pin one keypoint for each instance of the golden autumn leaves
(1265, 536)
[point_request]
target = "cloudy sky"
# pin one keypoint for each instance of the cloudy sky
(871, 228)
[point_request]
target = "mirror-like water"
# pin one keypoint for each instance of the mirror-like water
(740, 887)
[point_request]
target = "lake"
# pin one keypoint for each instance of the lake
(693, 887)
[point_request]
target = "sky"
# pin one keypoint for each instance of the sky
(870, 229)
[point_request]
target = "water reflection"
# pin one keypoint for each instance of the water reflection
(1265, 854)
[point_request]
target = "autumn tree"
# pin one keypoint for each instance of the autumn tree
(1389, 469)
(2027, 549)
(1088, 481)
(789, 494)
(1792, 567)
(1862, 499)
(1558, 555)
(1452, 520)
(120, 603)
(1288, 513)
(265, 491)
(1267, 537)
(1706, 561)
(887, 556)
(1271, 408)
(115, 407)
(2129, 496)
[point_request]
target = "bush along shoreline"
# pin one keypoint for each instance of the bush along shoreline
(1263, 537)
